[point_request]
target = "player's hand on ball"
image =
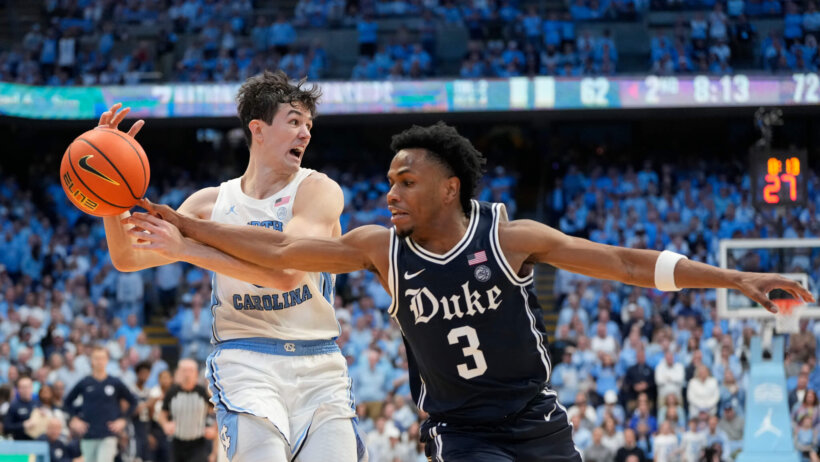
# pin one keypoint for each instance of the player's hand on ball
(113, 116)
(156, 235)
(758, 285)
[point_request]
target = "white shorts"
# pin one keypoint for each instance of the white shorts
(295, 385)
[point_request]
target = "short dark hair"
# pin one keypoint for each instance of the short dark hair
(145, 364)
(260, 96)
(452, 150)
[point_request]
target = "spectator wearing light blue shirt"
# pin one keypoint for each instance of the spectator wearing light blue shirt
(565, 379)
(368, 35)
(33, 260)
(508, 12)
(259, 34)
(612, 408)
(581, 436)
(606, 378)
(611, 328)
(365, 69)
(450, 12)
(727, 361)
(281, 35)
(192, 326)
(572, 309)
(130, 330)
(551, 31)
(531, 24)
(792, 24)
(370, 384)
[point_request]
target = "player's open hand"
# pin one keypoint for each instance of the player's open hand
(113, 116)
(162, 211)
(157, 235)
(758, 285)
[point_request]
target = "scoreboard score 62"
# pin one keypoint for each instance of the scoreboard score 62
(778, 177)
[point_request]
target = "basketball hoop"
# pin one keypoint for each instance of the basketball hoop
(787, 319)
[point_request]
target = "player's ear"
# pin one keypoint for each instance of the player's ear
(452, 189)
(255, 127)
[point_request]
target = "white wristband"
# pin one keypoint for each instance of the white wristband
(665, 271)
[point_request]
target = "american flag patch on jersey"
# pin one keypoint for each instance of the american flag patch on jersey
(281, 201)
(476, 258)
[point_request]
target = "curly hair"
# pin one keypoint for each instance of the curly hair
(451, 150)
(260, 96)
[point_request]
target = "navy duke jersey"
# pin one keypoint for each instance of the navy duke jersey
(476, 343)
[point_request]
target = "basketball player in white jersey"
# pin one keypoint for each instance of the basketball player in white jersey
(279, 382)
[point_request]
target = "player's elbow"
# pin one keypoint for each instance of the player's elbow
(123, 263)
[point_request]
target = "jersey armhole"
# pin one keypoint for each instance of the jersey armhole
(393, 273)
(293, 187)
(216, 202)
(500, 213)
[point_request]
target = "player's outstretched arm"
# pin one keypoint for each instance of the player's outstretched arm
(316, 211)
(359, 249)
(530, 241)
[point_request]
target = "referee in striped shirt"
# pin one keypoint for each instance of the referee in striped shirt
(187, 416)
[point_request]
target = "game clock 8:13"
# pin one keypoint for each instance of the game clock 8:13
(778, 177)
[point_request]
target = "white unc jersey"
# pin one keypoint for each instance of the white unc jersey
(242, 310)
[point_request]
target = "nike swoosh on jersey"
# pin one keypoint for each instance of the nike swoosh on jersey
(408, 276)
(83, 163)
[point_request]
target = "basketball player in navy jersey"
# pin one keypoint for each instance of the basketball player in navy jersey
(461, 279)
(278, 380)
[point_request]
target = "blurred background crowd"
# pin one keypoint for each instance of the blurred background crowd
(103, 42)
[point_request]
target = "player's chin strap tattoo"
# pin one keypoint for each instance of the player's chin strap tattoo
(665, 270)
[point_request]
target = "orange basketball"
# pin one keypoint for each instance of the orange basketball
(104, 172)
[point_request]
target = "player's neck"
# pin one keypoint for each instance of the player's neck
(442, 234)
(261, 180)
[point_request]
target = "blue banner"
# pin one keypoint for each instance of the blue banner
(767, 435)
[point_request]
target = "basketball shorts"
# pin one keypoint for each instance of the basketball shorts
(539, 433)
(296, 385)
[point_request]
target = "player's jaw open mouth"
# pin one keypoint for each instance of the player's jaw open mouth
(297, 152)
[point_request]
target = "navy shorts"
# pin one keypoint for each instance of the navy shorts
(539, 433)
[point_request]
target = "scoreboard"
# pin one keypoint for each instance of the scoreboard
(540, 93)
(778, 177)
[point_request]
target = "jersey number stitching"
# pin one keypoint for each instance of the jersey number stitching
(470, 350)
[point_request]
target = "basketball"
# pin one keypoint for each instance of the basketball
(104, 172)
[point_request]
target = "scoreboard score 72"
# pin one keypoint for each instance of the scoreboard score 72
(778, 177)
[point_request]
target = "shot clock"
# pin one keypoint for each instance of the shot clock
(778, 177)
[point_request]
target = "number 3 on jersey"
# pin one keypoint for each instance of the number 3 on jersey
(470, 350)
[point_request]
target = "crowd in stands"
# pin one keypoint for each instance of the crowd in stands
(711, 43)
(93, 42)
(503, 41)
(659, 374)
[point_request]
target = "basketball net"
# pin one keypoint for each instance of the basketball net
(787, 319)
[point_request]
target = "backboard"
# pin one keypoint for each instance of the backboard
(797, 259)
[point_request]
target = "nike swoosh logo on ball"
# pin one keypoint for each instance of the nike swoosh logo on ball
(84, 165)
